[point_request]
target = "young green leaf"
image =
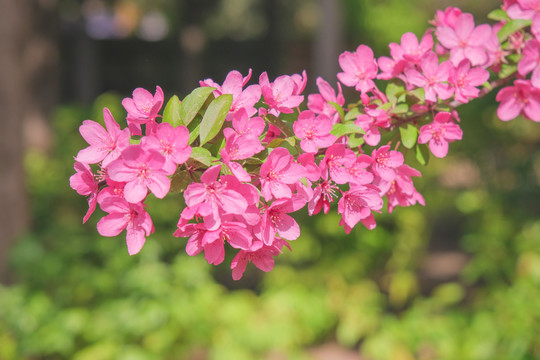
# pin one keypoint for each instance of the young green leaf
(498, 15)
(394, 91)
(214, 117)
(511, 27)
(193, 132)
(409, 134)
(422, 154)
(339, 109)
(202, 155)
(352, 114)
(171, 114)
(193, 103)
(347, 128)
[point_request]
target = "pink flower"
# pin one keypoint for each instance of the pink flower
(281, 95)
(84, 183)
(521, 98)
(129, 216)
(239, 147)
(464, 80)
(143, 108)
(385, 162)
(433, 77)
(447, 18)
(105, 145)
(370, 122)
(358, 173)
(356, 205)
(300, 82)
(465, 41)
(531, 62)
(171, 143)
(245, 125)
(141, 169)
(242, 99)
(439, 133)
(275, 218)
(412, 50)
(336, 161)
(402, 191)
(323, 194)
(278, 172)
(524, 9)
(262, 256)
(359, 69)
(219, 197)
(213, 241)
(313, 131)
(320, 103)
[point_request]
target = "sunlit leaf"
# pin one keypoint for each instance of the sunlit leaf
(171, 114)
(193, 103)
(214, 117)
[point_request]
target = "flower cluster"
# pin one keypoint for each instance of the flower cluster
(248, 156)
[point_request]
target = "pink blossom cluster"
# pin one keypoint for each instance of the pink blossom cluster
(125, 172)
(523, 96)
(273, 156)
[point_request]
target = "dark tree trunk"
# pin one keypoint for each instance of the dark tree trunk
(28, 88)
(14, 24)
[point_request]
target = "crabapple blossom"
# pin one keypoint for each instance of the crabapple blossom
(142, 108)
(320, 103)
(278, 172)
(243, 182)
(465, 41)
(439, 133)
(464, 81)
(105, 145)
(359, 69)
(280, 95)
(141, 169)
(124, 215)
(84, 183)
(171, 142)
(243, 99)
(522, 98)
(433, 77)
(531, 62)
(314, 131)
(385, 162)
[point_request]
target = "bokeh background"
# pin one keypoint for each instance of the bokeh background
(458, 279)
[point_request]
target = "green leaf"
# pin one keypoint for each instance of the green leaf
(511, 27)
(339, 109)
(422, 154)
(419, 93)
(171, 114)
(400, 108)
(193, 132)
(352, 114)
(394, 91)
(498, 15)
(214, 117)
(339, 130)
(355, 140)
(409, 134)
(135, 140)
(202, 155)
(180, 181)
(507, 70)
(193, 103)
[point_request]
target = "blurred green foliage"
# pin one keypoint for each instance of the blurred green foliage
(459, 279)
